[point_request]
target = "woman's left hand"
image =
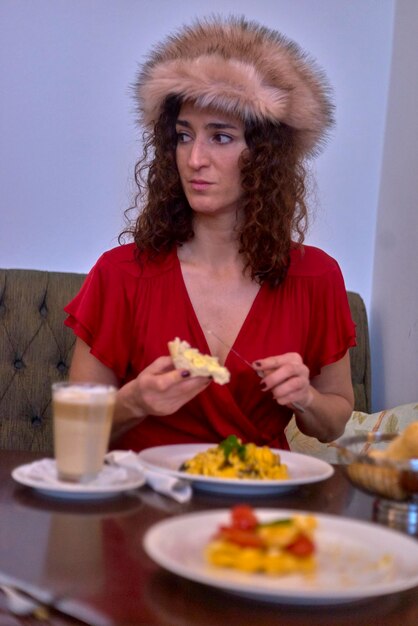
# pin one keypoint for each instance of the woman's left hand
(287, 378)
(327, 399)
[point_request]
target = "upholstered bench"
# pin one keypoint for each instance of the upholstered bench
(36, 348)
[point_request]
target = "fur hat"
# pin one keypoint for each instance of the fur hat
(241, 68)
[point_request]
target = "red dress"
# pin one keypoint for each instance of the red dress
(127, 312)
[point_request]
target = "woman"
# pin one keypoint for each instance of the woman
(232, 110)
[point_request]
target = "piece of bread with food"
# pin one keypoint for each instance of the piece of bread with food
(187, 358)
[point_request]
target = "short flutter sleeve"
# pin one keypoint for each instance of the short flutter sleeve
(100, 314)
(327, 312)
(331, 328)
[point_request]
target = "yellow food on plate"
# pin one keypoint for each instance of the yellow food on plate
(188, 358)
(283, 546)
(233, 459)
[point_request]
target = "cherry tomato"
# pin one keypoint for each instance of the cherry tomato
(243, 517)
(302, 546)
(241, 537)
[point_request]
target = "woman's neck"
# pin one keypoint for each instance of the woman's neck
(214, 244)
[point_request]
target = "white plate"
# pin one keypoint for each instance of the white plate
(356, 560)
(41, 475)
(303, 469)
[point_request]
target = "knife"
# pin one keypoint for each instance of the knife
(260, 373)
(24, 598)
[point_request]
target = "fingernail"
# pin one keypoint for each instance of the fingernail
(185, 373)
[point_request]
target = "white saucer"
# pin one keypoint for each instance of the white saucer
(110, 482)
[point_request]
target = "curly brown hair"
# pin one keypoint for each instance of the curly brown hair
(273, 203)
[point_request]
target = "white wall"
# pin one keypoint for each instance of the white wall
(69, 142)
(394, 311)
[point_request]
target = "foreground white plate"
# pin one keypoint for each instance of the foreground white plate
(41, 475)
(356, 560)
(302, 469)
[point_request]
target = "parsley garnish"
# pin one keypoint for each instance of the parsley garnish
(277, 522)
(233, 444)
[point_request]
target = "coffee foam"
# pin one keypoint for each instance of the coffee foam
(79, 394)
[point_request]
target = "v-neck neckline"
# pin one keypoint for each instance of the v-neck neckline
(204, 347)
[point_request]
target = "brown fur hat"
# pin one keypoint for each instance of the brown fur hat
(240, 68)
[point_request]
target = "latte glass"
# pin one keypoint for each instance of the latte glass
(82, 414)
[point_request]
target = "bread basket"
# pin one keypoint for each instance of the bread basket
(393, 480)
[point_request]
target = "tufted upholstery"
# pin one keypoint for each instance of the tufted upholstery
(360, 355)
(35, 350)
(36, 347)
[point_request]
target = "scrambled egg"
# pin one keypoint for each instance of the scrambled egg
(186, 357)
(277, 553)
(232, 459)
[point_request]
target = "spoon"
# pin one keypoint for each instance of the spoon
(260, 373)
(231, 349)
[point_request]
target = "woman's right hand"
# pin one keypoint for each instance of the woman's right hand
(160, 389)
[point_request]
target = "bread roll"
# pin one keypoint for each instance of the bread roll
(405, 446)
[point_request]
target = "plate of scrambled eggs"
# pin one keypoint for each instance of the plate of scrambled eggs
(234, 468)
(350, 560)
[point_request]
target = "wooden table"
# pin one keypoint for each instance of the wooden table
(91, 554)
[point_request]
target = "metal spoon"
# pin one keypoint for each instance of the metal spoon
(231, 349)
(260, 373)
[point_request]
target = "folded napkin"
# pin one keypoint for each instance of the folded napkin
(179, 490)
(45, 473)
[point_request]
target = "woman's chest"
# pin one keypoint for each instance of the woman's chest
(256, 321)
(221, 306)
